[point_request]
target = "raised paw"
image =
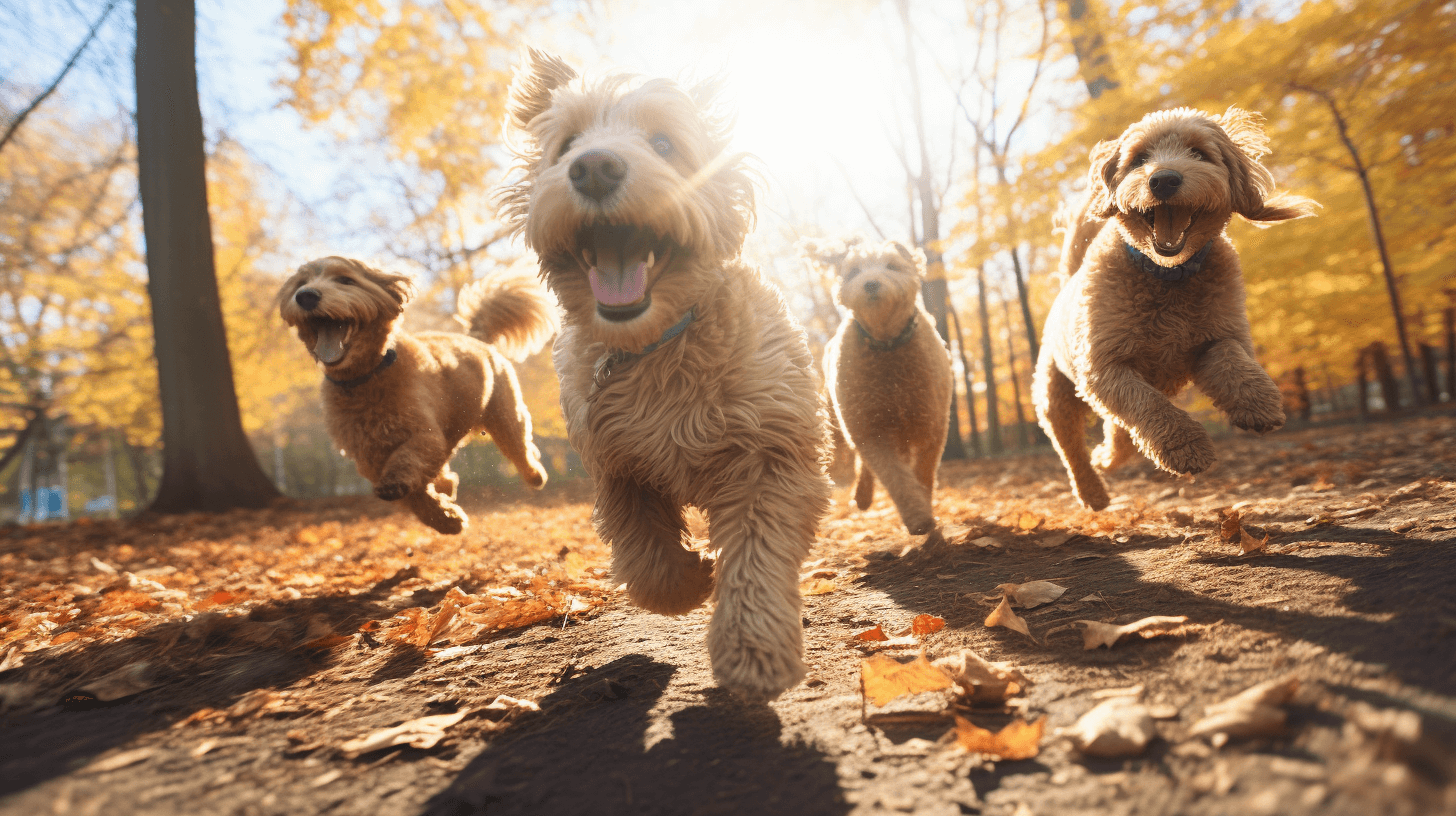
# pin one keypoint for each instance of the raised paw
(919, 524)
(535, 478)
(448, 523)
(1257, 419)
(1093, 496)
(391, 491)
(1194, 455)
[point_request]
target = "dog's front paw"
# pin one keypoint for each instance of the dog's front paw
(448, 523)
(1258, 419)
(1194, 455)
(391, 491)
(919, 524)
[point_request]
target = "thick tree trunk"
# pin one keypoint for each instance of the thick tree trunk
(207, 463)
(1385, 375)
(1428, 371)
(993, 410)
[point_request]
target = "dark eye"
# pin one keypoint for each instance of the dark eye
(345, 281)
(1138, 161)
(853, 270)
(1197, 156)
(661, 144)
(566, 145)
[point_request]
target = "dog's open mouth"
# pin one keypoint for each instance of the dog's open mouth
(1171, 226)
(620, 263)
(332, 339)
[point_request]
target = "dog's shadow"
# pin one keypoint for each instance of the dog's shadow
(589, 754)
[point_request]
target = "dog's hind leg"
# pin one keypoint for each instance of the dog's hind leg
(764, 524)
(864, 486)
(508, 422)
(436, 511)
(647, 532)
(1239, 387)
(911, 497)
(1116, 448)
(1063, 416)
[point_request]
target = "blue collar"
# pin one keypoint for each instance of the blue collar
(1169, 274)
(609, 361)
(887, 345)
(389, 358)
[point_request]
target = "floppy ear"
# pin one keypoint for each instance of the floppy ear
(530, 95)
(1100, 201)
(828, 252)
(399, 287)
(915, 256)
(1251, 185)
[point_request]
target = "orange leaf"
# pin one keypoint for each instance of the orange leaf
(1018, 740)
(1003, 616)
(817, 586)
(64, 637)
(925, 624)
(886, 678)
(872, 634)
(1029, 521)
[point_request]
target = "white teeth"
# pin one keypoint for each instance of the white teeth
(651, 259)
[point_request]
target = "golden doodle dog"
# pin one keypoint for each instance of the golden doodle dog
(888, 372)
(684, 381)
(399, 404)
(1154, 297)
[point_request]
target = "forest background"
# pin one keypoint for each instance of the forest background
(372, 130)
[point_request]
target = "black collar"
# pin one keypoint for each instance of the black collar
(389, 358)
(1169, 274)
(887, 345)
(609, 361)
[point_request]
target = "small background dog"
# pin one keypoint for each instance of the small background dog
(888, 372)
(400, 404)
(1154, 297)
(684, 381)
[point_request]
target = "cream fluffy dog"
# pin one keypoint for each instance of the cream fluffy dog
(1154, 297)
(684, 380)
(888, 372)
(400, 404)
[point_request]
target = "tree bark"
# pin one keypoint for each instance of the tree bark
(1449, 318)
(1362, 384)
(1412, 372)
(960, 340)
(1021, 436)
(993, 410)
(207, 463)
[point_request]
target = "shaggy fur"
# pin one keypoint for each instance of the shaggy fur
(893, 404)
(1122, 342)
(400, 422)
(638, 216)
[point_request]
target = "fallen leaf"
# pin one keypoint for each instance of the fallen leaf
(1003, 616)
(1230, 528)
(885, 678)
(133, 678)
(981, 682)
(1018, 740)
(1033, 593)
(926, 624)
(119, 761)
(64, 637)
(986, 543)
(817, 586)
(1119, 727)
(1254, 712)
(1029, 521)
(423, 732)
(1097, 633)
(1249, 544)
(503, 706)
(1047, 542)
(875, 633)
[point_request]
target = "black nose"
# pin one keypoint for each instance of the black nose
(872, 288)
(1165, 183)
(596, 174)
(308, 299)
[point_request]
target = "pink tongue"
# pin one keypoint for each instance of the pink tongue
(620, 287)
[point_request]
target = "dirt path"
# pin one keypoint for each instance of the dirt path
(258, 645)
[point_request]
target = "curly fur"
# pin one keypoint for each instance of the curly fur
(724, 416)
(893, 406)
(1120, 342)
(401, 423)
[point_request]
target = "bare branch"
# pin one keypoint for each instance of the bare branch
(71, 63)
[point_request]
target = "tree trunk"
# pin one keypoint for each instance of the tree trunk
(1362, 384)
(1449, 316)
(1389, 388)
(140, 480)
(1093, 61)
(934, 289)
(960, 340)
(207, 463)
(1411, 371)
(993, 410)
(1428, 373)
(1021, 438)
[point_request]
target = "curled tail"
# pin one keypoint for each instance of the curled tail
(510, 311)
